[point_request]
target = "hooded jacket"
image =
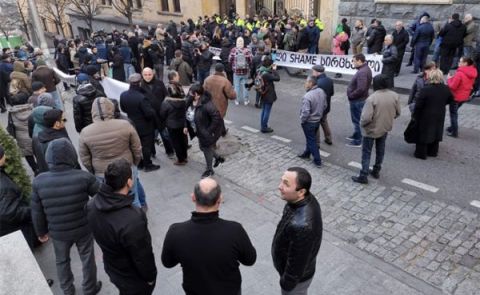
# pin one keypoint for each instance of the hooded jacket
(82, 110)
(40, 144)
(20, 115)
(375, 40)
(461, 84)
(23, 82)
(107, 139)
(37, 117)
(453, 34)
(121, 230)
(59, 196)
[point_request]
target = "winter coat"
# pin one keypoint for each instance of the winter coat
(461, 84)
(59, 196)
(14, 210)
(126, 53)
(389, 60)
(47, 76)
(82, 111)
(417, 86)
(156, 92)
(297, 238)
(37, 116)
(221, 91)
(290, 41)
(378, 113)
(136, 105)
(187, 52)
(118, 69)
(314, 103)
(203, 60)
(121, 231)
(20, 115)
(471, 30)
(360, 83)
(23, 82)
(302, 39)
(453, 34)
(107, 140)
(429, 113)
(269, 76)
(206, 237)
(325, 83)
(41, 142)
(173, 112)
(400, 40)
(375, 40)
(183, 69)
(424, 34)
(208, 122)
(313, 35)
(358, 36)
(62, 62)
(337, 43)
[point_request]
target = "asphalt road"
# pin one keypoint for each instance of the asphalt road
(452, 177)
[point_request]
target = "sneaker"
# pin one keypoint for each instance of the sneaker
(449, 129)
(350, 138)
(218, 161)
(246, 102)
(151, 167)
(360, 179)
(354, 144)
(303, 156)
(237, 103)
(208, 173)
(268, 130)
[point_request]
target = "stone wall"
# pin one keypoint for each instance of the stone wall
(389, 13)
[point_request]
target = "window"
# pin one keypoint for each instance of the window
(176, 6)
(164, 5)
(139, 4)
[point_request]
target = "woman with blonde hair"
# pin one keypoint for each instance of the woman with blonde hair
(429, 115)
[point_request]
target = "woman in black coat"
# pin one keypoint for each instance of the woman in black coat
(208, 125)
(429, 115)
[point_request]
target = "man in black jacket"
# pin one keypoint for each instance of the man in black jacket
(58, 200)
(299, 233)
(389, 60)
(375, 39)
(400, 40)
(136, 105)
(325, 83)
(121, 231)
(208, 248)
(452, 34)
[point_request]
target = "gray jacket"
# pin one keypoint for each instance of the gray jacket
(314, 103)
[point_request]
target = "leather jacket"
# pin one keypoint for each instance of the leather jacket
(297, 241)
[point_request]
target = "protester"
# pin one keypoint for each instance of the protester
(50, 79)
(121, 231)
(208, 248)
(400, 41)
(19, 81)
(269, 75)
(357, 40)
(419, 83)
(389, 60)
(380, 109)
(203, 59)
(82, 106)
(452, 39)
(37, 88)
(240, 59)
(376, 37)
(59, 214)
(326, 84)
(471, 29)
(298, 236)
(421, 41)
(183, 69)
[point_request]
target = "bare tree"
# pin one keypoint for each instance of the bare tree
(22, 8)
(86, 10)
(126, 8)
(9, 17)
(54, 11)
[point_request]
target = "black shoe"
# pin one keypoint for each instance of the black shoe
(189, 146)
(268, 130)
(208, 173)
(375, 174)
(98, 287)
(419, 157)
(151, 167)
(303, 156)
(449, 129)
(452, 134)
(171, 156)
(329, 142)
(257, 105)
(409, 64)
(218, 161)
(49, 282)
(360, 179)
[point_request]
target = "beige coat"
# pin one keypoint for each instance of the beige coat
(221, 90)
(471, 33)
(20, 114)
(378, 113)
(24, 82)
(107, 140)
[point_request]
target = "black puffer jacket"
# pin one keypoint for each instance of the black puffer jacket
(203, 60)
(82, 111)
(173, 112)
(40, 144)
(208, 122)
(59, 196)
(187, 52)
(297, 241)
(14, 211)
(121, 230)
(136, 105)
(375, 41)
(453, 34)
(156, 92)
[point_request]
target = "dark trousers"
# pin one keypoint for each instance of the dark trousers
(423, 150)
(147, 144)
(167, 144)
(310, 130)
(202, 75)
(367, 146)
(32, 163)
(179, 142)
(87, 256)
(158, 71)
(446, 58)
(209, 153)
(412, 56)
(454, 106)
(398, 65)
(4, 98)
(421, 53)
(140, 289)
(356, 107)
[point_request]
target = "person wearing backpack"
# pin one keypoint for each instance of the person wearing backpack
(240, 59)
(256, 63)
(267, 74)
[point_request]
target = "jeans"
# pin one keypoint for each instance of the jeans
(468, 51)
(356, 107)
(209, 153)
(421, 53)
(454, 106)
(239, 85)
(202, 75)
(310, 130)
(300, 288)
(58, 100)
(265, 115)
(367, 146)
(129, 70)
(87, 256)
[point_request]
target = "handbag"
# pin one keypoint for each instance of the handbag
(410, 134)
(11, 126)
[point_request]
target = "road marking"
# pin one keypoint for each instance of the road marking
(357, 165)
(324, 154)
(286, 140)
(250, 129)
(420, 185)
(475, 203)
(227, 122)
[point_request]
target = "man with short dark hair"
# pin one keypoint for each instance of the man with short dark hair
(299, 233)
(121, 231)
(208, 247)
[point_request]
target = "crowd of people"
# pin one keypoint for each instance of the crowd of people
(117, 137)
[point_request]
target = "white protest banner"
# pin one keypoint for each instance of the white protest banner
(114, 88)
(69, 79)
(332, 63)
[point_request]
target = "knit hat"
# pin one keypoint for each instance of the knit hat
(91, 70)
(82, 77)
(46, 99)
(37, 85)
(318, 68)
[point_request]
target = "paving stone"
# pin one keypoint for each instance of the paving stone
(468, 261)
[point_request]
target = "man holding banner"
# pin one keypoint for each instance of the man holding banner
(357, 93)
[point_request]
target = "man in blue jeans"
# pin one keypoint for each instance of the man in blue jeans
(268, 96)
(380, 109)
(314, 103)
(357, 93)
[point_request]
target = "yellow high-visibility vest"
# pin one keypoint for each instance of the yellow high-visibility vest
(319, 24)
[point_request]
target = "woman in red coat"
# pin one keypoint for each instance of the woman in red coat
(461, 85)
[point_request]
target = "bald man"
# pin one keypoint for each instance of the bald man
(389, 60)
(208, 248)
